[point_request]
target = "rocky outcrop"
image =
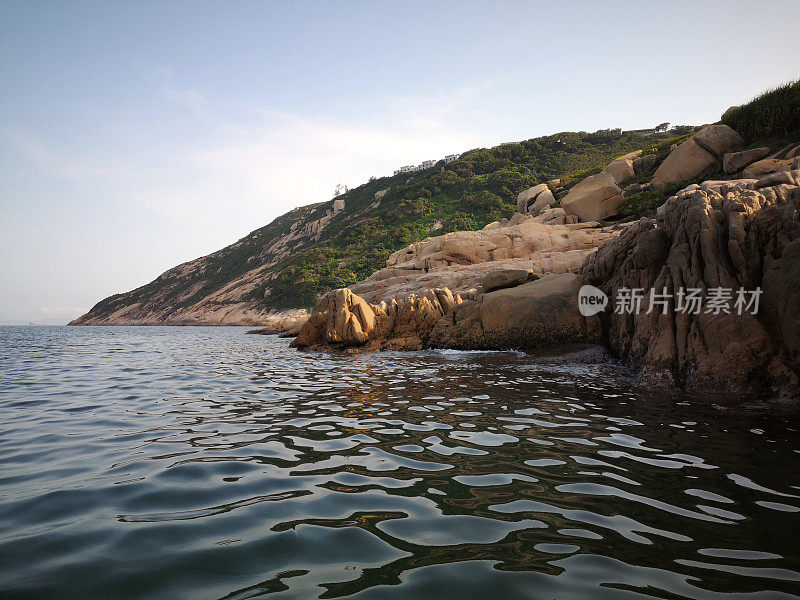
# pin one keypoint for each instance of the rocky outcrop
(595, 198)
(700, 155)
(732, 235)
(460, 260)
(534, 199)
(715, 238)
(288, 322)
(539, 314)
(344, 320)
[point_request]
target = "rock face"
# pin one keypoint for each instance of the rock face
(700, 155)
(460, 260)
(344, 320)
(534, 199)
(733, 162)
(729, 234)
(540, 314)
(593, 199)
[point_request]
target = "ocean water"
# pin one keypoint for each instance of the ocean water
(203, 463)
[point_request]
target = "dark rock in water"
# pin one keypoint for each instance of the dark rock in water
(572, 354)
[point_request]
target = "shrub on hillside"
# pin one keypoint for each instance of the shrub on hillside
(641, 204)
(484, 200)
(773, 113)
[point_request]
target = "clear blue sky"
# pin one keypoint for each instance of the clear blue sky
(138, 135)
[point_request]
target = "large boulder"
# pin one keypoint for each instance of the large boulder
(340, 317)
(622, 168)
(539, 314)
(595, 198)
(700, 155)
(733, 162)
(534, 199)
(719, 140)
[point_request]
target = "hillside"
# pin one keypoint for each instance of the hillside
(315, 248)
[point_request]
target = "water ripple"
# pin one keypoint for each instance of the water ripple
(205, 463)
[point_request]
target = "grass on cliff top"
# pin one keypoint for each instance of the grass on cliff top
(773, 114)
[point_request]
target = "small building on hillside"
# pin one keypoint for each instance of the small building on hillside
(425, 164)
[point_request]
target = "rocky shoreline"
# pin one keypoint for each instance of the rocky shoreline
(515, 284)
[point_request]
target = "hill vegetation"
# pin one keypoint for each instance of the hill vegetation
(773, 114)
(479, 188)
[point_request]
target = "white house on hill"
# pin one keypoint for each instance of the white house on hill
(426, 164)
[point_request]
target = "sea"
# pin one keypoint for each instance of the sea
(205, 463)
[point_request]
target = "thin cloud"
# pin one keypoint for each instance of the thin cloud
(264, 158)
(189, 98)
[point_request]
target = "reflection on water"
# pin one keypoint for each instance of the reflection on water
(203, 463)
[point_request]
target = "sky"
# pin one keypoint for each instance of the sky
(138, 135)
